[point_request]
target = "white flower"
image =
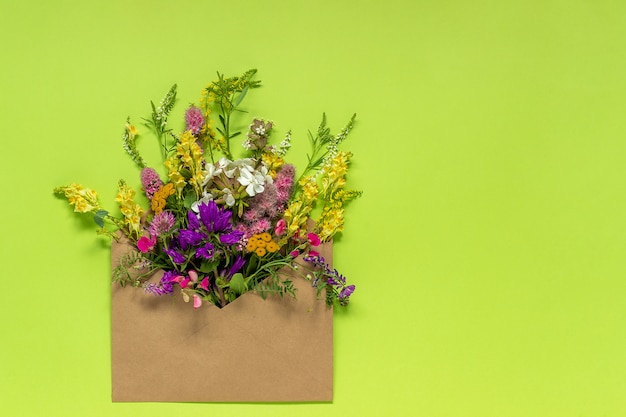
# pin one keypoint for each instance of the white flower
(254, 181)
(206, 197)
(228, 197)
(265, 173)
(211, 171)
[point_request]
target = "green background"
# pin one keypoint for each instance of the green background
(491, 146)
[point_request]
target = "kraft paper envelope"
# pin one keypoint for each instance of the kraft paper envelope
(252, 350)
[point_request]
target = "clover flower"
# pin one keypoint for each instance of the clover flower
(162, 223)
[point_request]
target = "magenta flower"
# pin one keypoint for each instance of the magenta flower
(280, 228)
(145, 244)
(314, 239)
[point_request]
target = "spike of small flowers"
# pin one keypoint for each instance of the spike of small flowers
(83, 199)
(132, 212)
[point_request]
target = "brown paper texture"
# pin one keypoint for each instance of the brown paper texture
(252, 350)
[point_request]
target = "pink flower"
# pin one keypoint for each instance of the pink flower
(294, 254)
(145, 244)
(194, 120)
(280, 228)
(193, 275)
(197, 301)
(150, 181)
(313, 253)
(204, 284)
(184, 283)
(314, 239)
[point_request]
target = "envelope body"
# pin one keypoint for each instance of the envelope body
(252, 350)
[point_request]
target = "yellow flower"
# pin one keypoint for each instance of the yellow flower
(261, 243)
(159, 198)
(176, 178)
(309, 188)
(273, 163)
(272, 247)
(83, 199)
(132, 212)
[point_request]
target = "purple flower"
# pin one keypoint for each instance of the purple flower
(214, 218)
(206, 252)
(333, 278)
(161, 223)
(188, 238)
(236, 266)
(231, 238)
(177, 257)
(345, 293)
(194, 120)
(192, 219)
(164, 286)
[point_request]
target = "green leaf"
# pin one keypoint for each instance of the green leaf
(99, 217)
(208, 266)
(237, 284)
(189, 199)
(241, 96)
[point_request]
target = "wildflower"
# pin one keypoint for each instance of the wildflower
(145, 244)
(177, 257)
(83, 199)
(159, 198)
(280, 227)
(132, 212)
(314, 239)
(194, 120)
(254, 181)
(197, 301)
(284, 182)
(187, 238)
(129, 144)
(173, 172)
(150, 181)
(231, 238)
(332, 277)
(214, 218)
(161, 223)
(235, 267)
(207, 251)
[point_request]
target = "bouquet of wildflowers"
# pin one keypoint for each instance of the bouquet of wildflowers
(219, 226)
